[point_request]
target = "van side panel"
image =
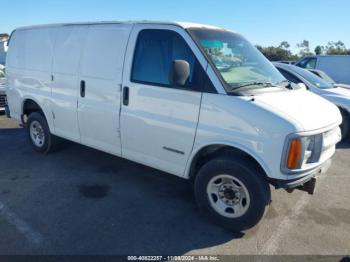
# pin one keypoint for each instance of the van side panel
(337, 67)
(101, 69)
(236, 122)
(69, 42)
(28, 70)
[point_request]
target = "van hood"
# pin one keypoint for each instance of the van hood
(304, 109)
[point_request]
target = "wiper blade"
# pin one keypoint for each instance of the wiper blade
(289, 84)
(283, 81)
(264, 84)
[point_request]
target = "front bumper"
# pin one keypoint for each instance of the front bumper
(296, 182)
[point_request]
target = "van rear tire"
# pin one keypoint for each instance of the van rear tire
(232, 192)
(39, 133)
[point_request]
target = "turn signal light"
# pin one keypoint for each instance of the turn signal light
(294, 153)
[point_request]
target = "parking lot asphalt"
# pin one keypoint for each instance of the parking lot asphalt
(82, 201)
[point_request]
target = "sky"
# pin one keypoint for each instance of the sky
(267, 22)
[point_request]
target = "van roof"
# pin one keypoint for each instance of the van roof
(180, 24)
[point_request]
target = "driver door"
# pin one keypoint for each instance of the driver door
(159, 121)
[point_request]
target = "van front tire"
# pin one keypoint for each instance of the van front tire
(345, 125)
(39, 133)
(232, 192)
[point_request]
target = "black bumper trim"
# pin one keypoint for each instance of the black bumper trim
(295, 182)
(292, 183)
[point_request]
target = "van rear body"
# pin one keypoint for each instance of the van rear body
(192, 100)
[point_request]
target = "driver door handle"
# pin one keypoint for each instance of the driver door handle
(126, 96)
(82, 88)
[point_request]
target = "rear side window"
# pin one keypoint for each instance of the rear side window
(155, 50)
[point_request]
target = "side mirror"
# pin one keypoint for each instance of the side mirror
(302, 86)
(179, 72)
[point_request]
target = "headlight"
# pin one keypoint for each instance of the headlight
(302, 150)
(313, 149)
(294, 153)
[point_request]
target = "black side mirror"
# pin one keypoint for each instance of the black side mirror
(179, 72)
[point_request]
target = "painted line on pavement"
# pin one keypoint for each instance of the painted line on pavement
(21, 226)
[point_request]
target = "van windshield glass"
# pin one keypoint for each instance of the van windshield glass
(239, 63)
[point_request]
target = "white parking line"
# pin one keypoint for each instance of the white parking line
(21, 226)
(272, 244)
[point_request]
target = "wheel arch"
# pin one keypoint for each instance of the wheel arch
(209, 151)
(343, 109)
(30, 105)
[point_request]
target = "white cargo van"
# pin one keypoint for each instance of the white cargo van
(196, 101)
(337, 66)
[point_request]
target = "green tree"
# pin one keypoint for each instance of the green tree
(284, 45)
(304, 47)
(319, 50)
(336, 48)
(280, 53)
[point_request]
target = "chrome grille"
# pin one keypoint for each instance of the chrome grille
(330, 139)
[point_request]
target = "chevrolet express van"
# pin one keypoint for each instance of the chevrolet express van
(199, 102)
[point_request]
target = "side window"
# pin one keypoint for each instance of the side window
(308, 63)
(289, 76)
(155, 50)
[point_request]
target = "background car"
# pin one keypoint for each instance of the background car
(286, 62)
(336, 66)
(337, 95)
(327, 78)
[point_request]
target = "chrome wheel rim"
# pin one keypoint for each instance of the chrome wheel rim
(37, 133)
(228, 196)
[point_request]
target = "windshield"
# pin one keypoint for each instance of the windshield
(325, 77)
(312, 78)
(238, 62)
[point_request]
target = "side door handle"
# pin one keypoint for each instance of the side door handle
(125, 96)
(82, 88)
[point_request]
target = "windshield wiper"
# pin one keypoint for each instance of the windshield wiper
(263, 84)
(289, 84)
